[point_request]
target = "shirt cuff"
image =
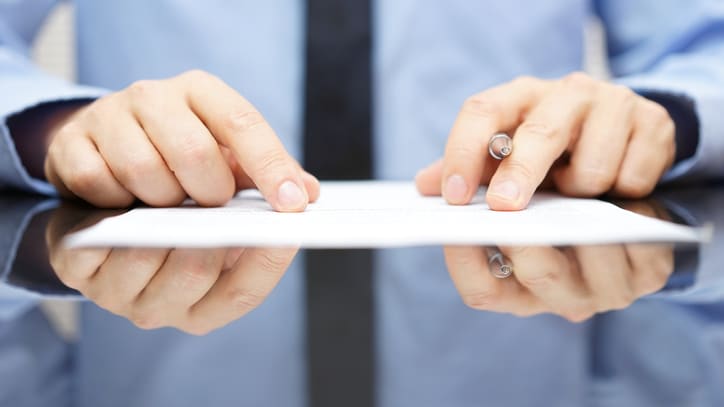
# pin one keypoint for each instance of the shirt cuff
(29, 93)
(706, 103)
(682, 111)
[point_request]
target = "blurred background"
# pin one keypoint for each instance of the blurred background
(53, 49)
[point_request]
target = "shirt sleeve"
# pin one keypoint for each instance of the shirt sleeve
(24, 86)
(674, 48)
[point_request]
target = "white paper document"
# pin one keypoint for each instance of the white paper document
(381, 214)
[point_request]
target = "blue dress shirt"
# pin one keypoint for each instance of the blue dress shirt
(428, 57)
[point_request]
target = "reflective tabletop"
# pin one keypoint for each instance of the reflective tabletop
(611, 325)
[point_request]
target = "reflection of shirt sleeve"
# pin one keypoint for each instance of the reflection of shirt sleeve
(655, 48)
(14, 218)
(26, 84)
(699, 277)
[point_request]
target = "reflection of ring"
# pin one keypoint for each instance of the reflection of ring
(498, 264)
(500, 146)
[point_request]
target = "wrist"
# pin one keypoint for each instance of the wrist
(33, 131)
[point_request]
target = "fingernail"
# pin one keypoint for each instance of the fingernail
(455, 189)
(291, 196)
(508, 190)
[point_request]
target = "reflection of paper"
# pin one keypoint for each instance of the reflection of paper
(380, 214)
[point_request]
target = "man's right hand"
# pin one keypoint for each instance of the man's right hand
(162, 141)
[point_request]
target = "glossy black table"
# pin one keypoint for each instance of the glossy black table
(415, 343)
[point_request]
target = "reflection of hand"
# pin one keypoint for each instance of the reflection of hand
(618, 142)
(194, 290)
(571, 282)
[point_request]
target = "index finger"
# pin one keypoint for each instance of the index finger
(539, 141)
(497, 109)
(236, 124)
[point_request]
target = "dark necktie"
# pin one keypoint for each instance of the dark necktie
(337, 145)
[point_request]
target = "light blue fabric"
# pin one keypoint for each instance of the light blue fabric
(428, 57)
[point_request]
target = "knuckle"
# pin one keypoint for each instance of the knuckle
(521, 168)
(54, 150)
(141, 260)
(69, 279)
(579, 312)
(136, 167)
(69, 130)
(99, 108)
(482, 106)
(462, 258)
(651, 284)
(99, 111)
(193, 276)
(539, 129)
(669, 130)
(659, 270)
(82, 285)
(579, 80)
(105, 300)
(462, 153)
(146, 319)
(634, 186)
(620, 299)
(196, 75)
(654, 112)
(666, 137)
(663, 265)
(525, 81)
(272, 262)
(245, 300)
(143, 88)
(272, 162)
(594, 181)
(525, 312)
(58, 262)
(622, 96)
(197, 150)
(481, 299)
(243, 121)
(196, 330)
(541, 279)
(622, 93)
(84, 177)
(578, 316)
